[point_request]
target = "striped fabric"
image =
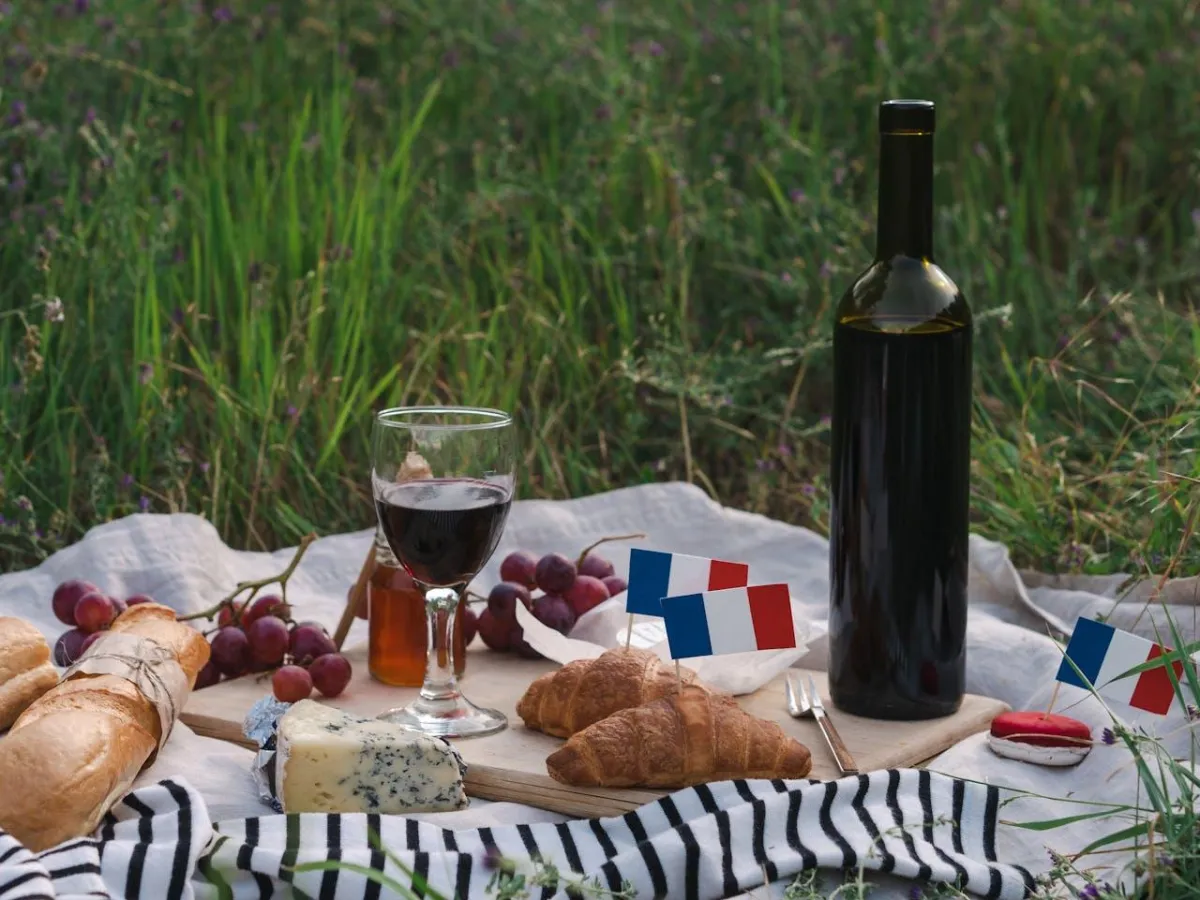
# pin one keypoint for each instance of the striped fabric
(709, 842)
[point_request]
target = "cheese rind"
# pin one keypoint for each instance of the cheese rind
(331, 762)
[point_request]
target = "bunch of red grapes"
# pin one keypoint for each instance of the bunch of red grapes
(258, 638)
(567, 591)
(89, 612)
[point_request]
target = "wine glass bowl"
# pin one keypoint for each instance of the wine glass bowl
(443, 481)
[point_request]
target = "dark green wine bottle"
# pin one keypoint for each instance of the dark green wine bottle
(901, 447)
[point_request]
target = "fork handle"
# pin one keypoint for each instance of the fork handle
(840, 754)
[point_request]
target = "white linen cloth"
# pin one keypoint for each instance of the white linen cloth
(181, 561)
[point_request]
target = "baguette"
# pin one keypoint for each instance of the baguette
(77, 749)
(25, 668)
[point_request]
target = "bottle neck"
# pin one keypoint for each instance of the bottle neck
(905, 225)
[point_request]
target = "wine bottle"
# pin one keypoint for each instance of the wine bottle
(901, 454)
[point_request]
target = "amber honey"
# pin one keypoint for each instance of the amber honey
(396, 645)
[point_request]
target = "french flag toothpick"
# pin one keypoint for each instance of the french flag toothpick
(654, 575)
(1103, 654)
(737, 620)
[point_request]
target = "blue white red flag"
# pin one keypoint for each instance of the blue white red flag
(1104, 654)
(654, 575)
(737, 620)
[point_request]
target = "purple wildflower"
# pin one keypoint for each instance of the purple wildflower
(204, 467)
(126, 480)
(81, 6)
(826, 421)
(784, 450)
(222, 14)
(809, 490)
(292, 413)
(786, 277)
(145, 373)
(654, 48)
(39, 534)
(1089, 892)
(24, 504)
(1108, 736)
(764, 465)
(144, 503)
(90, 116)
(106, 23)
(177, 317)
(826, 269)
(797, 195)
(916, 892)
(16, 113)
(3, 521)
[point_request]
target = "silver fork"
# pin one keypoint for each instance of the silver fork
(803, 704)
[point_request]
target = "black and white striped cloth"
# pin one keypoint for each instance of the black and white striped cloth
(703, 843)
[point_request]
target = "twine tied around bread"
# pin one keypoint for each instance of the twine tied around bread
(149, 666)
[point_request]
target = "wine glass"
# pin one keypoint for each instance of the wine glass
(443, 482)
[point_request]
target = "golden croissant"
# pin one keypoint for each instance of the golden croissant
(687, 738)
(585, 691)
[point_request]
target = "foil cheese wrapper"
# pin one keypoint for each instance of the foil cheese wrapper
(259, 726)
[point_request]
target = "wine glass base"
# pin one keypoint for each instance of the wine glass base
(452, 717)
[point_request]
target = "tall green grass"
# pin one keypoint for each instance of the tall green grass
(627, 222)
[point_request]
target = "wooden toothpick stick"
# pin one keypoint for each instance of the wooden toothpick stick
(1053, 699)
(629, 632)
(678, 676)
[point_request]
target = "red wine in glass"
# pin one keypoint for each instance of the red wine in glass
(443, 530)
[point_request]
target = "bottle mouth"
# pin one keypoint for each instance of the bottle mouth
(906, 117)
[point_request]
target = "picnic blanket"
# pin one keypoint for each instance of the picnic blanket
(958, 822)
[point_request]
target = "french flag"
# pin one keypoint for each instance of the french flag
(737, 620)
(654, 575)
(1103, 654)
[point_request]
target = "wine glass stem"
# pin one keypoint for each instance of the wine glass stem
(441, 606)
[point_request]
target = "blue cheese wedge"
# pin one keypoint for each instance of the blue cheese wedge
(331, 762)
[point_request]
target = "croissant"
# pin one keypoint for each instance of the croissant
(570, 699)
(688, 738)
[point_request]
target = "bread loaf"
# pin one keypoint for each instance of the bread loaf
(25, 668)
(76, 750)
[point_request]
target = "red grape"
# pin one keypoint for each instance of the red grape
(615, 584)
(88, 641)
(310, 623)
(138, 598)
(554, 612)
(291, 684)
(206, 677)
(225, 616)
(493, 630)
(268, 638)
(555, 573)
(67, 647)
(66, 595)
(119, 605)
(93, 612)
(308, 643)
(586, 593)
(330, 673)
(518, 567)
(469, 625)
(596, 566)
(502, 600)
(231, 651)
(267, 605)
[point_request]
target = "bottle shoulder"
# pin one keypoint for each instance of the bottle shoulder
(904, 288)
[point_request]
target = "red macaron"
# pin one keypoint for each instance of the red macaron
(1044, 739)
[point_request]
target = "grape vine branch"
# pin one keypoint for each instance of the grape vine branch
(254, 587)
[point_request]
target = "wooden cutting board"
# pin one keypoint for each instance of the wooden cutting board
(511, 766)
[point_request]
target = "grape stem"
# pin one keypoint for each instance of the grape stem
(605, 540)
(254, 587)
